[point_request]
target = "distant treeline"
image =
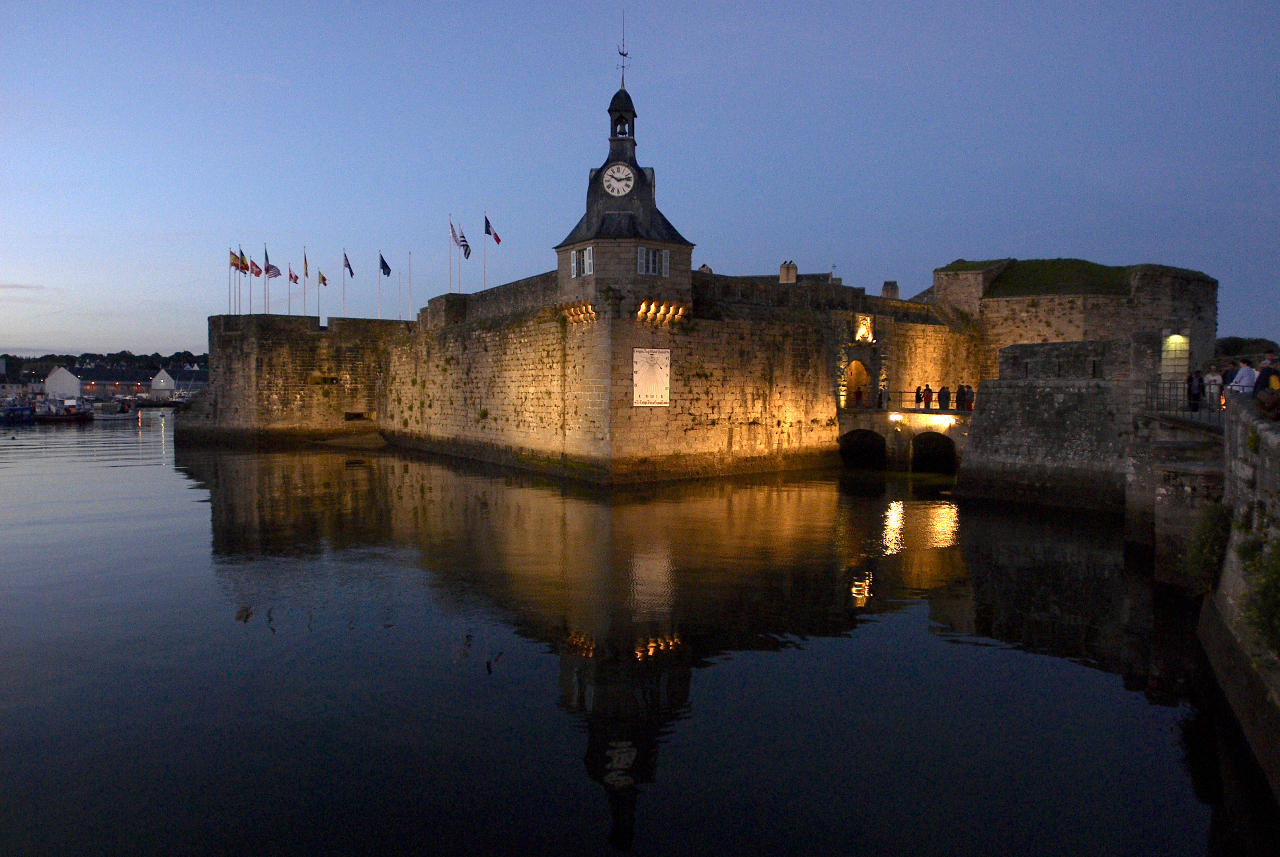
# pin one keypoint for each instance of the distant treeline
(27, 368)
(1239, 346)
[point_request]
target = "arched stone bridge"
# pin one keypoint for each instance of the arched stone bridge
(887, 439)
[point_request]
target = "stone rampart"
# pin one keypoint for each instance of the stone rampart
(530, 388)
(1054, 429)
(286, 375)
(1247, 672)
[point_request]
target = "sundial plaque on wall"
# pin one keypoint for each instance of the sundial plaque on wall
(651, 377)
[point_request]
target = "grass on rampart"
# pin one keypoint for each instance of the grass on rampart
(1035, 277)
(1262, 601)
(1202, 562)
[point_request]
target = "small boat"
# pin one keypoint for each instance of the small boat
(117, 410)
(20, 413)
(66, 411)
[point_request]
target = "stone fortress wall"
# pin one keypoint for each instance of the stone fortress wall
(742, 372)
(286, 375)
(539, 373)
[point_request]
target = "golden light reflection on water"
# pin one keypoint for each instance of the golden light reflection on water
(919, 526)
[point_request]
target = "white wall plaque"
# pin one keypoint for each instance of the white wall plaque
(651, 377)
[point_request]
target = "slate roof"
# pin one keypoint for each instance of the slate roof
(625, 224)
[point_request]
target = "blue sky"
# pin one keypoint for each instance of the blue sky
(138, 142)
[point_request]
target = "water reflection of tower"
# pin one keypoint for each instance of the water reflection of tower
(629, 679)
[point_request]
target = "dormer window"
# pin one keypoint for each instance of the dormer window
(653, 263)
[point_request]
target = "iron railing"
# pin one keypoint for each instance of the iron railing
(1173, 397)
(904, 400)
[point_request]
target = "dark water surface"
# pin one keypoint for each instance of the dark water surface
(327, 652)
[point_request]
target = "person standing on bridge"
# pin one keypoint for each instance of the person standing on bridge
(1195, 390)
(928, 397)
(1268, 376)
(1213, 389)
(919, 397)
(1243, 379)
(944, 398)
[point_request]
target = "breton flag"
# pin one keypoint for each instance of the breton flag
(293, 278)
(383, 266)
(346, 263)
(254, 269)
(323, 280)
(489, 230)
(462, 242)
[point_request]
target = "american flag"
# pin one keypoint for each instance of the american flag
(272, 271)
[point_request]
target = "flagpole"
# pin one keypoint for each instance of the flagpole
(251, 293)
(266, 282)
(305, 274)
(484, 256)
(378, 304)
(399, 299)
(344, 282)
(228, 281)
(451, 244)
(411, 315)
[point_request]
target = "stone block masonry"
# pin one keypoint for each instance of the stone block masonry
(272, 375)
(1054, 429)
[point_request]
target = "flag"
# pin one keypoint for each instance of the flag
(383, 266)
(462, 242)
(293, 278)
(272, 271)
(254, 269)
(306, 271)
(244, 262)
(489, 230)
(346, 263)
(235, 260)
(323, 281)
(452, 233)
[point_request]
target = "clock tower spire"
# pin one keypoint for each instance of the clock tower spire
(620, 192)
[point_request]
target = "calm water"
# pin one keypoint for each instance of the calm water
(218, 652)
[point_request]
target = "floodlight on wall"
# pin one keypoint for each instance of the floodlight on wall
(579, 312)
(661, 312)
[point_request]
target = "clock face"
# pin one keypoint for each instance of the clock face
(618, 179)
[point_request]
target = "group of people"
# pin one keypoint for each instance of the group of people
(963, 398)
(1207, 388)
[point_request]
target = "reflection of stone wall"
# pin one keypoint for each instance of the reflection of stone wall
(1062, 587)
(289, 503)
(560, 564)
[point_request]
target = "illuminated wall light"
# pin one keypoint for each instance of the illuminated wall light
(895, 418)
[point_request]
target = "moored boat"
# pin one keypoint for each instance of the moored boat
(65, 411)
(116, 410)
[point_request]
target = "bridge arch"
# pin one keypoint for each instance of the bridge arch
(864, 449)
(933, 452)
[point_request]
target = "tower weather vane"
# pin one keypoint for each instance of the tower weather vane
(622, 50)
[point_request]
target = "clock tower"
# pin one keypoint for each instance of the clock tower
(623, 242)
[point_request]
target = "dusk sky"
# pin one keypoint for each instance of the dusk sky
(140, 142)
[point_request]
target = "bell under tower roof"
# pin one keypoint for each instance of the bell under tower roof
(633, 214)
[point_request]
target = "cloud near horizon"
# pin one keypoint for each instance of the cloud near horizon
(17, 287)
